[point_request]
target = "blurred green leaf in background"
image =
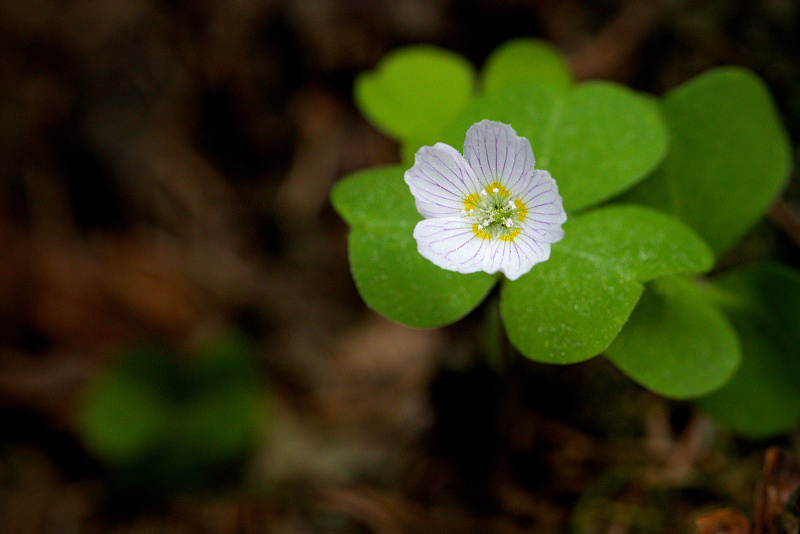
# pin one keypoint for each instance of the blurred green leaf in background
(165, 421)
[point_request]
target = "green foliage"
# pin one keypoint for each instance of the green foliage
(375, 196)
(595, 140)
(414, 91)
(526, 62)
(390, 275)
(571, 307)
(405, 287)
(763, 303)
(729, 156)
(599, 134)
(121, 415)
(165, 421)
(710, 156)
(677, 342)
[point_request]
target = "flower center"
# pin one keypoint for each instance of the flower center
(495, 213)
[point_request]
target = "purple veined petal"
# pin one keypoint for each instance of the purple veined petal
(543, 233)
(540, 189)
(517, 257)
(496, 153)
(451, 244)
(440, 180)
(545, 209)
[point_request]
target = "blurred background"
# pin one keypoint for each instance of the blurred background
(181, 345)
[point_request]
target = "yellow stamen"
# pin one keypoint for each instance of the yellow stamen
(522, 211)
(471, 202)
(497, 188)
(482, 233)
(511, 236)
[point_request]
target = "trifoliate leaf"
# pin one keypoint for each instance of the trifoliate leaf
(596, 140)
(677, 342)
(571, 307)
(728, 159)
(763, 398)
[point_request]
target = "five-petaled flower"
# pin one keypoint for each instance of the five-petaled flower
(487, 210)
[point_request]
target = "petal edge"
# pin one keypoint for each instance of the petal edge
(440, 180)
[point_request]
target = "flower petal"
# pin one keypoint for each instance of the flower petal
(496, 153)
(517, 257)
(451, 244)
(545, 210)
(440, 180)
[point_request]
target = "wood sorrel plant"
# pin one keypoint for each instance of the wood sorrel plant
(655, 192)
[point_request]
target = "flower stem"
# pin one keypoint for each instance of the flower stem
(498, 351)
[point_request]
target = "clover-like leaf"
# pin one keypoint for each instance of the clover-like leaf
(763, 397)
(677, 342)
(571, 307)
(729, 156)
(164, 422)
(390, 275)
(415, 91)
(526, 61)
(596, 140)
(122, 416)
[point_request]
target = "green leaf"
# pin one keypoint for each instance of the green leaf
(219, 421)
(526, 61)
(763, 398)
(121, 418)
(677, 342)
(390, 275)
(164, 421)
(596, 140)
(528, 109)
(397, 282)
(571, 307)
(377, 194)
(729, 156)
(415, 91)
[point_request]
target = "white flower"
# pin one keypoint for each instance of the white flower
(487, 210)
